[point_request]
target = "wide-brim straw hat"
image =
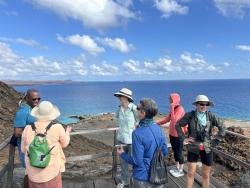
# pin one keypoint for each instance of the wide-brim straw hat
(125, 92)
(45, 111)
(203, 98)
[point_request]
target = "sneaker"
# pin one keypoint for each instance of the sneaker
(173, 170)
(120, 185)
(178, 173)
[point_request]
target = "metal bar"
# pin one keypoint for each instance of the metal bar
(3, 170)
(88, 157)
(94, 131)
(242, 163)
(5, 143)
(237, 134)
(10, 166)
(114, 162)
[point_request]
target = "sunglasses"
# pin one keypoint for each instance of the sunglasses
(138, 108)
(204, 104)
(36, 99)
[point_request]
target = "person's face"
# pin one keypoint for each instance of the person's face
(33, 99)
(202, 106)
(123, 100)
(141, 114)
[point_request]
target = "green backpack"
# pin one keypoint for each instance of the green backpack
(39, 152)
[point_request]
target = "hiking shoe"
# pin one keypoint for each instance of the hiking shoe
(178, 173)
(120, 185)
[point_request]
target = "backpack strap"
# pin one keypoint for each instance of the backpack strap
(154, 136)
(33, 128)
(46, 129)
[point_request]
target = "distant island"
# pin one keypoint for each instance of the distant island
(29, 82)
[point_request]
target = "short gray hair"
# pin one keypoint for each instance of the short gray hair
(149, 106)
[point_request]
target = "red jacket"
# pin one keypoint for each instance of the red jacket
(175, 114)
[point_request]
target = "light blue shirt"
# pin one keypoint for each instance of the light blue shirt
(202, 118)
(126, 120)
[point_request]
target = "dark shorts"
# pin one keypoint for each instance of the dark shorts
(206, 158)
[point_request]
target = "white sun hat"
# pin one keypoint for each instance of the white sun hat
(203, 98)
(45, 111)
(125, 92)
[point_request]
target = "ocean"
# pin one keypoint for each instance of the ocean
(231, 97)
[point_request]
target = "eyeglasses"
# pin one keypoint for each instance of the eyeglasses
(36, 99)
(204, 104)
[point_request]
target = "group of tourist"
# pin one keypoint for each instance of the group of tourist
(193, 128)
(40, 139)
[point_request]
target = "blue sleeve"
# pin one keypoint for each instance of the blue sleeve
(30, 120)
(20, 118)
(164, 145)
(138, 152)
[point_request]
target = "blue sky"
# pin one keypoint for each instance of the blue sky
(124, 39)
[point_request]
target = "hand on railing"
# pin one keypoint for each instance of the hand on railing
(120, 150)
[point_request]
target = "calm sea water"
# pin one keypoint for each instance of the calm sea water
(231, 97)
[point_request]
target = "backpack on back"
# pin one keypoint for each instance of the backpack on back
(39, 152)
(158, 170)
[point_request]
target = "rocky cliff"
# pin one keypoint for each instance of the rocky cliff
(9, 98)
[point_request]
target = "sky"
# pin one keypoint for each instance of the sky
(119, 40)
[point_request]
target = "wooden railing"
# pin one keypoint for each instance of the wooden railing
(9, 167)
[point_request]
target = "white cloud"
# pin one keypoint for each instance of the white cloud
(6, 54)
(97, 14)
(27, 42)
(187, 63)
(117, 44)
(196, 64)
(85, 42)
(38, 67)
(162, 65)
(91, 45)
(226, 64)
(104, 69)
(170, 7)
(232, 8)
(132, 66)
(243, 47)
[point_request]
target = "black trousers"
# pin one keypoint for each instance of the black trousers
(177, 146)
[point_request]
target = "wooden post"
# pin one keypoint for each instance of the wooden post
(114, 165)
(10, 166)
